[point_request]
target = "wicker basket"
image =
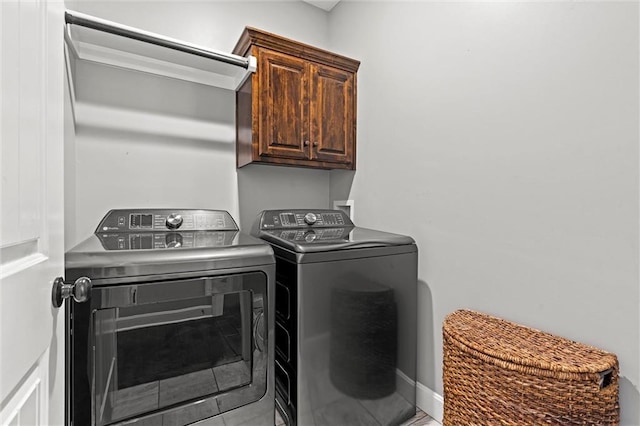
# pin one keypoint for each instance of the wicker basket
(500, 373)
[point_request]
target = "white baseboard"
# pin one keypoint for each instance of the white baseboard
(429, 402)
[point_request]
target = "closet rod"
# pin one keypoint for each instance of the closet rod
(88, 21)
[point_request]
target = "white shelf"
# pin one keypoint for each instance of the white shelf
(97, 40)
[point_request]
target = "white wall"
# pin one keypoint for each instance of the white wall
(147, 141)
(503, 136)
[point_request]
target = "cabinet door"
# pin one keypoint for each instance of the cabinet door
(332, 114)
(284, 109)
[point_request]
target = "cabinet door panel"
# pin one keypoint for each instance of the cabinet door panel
(333, 114)
(284, 111)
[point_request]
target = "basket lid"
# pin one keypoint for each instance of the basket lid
(510, 342)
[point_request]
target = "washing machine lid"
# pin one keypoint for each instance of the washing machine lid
(315, 231)
(152, 242)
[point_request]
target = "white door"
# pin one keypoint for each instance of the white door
(31, 208)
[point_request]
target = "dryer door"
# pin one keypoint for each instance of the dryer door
(172, 352)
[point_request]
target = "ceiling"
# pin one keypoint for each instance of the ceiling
(323, 4)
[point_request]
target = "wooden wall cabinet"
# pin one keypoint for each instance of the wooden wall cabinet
(298, 108)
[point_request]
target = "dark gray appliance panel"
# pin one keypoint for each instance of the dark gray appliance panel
(346, 334)
(338, 383)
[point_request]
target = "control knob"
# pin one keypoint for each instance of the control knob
(310, 218)
(174, 220)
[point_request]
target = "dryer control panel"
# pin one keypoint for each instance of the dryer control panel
(150, 220)
(288, 219)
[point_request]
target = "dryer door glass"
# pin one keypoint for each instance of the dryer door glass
(171, 349)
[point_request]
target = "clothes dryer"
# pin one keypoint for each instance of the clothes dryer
(171, 322)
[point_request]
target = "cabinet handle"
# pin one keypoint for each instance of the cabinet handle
(306, 143)
(315, 144)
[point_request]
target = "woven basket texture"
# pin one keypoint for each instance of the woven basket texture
(496, 372)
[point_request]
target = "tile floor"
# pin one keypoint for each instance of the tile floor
(420, 419)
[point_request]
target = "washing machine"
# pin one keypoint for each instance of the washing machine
(346, 319)
(170, 321)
